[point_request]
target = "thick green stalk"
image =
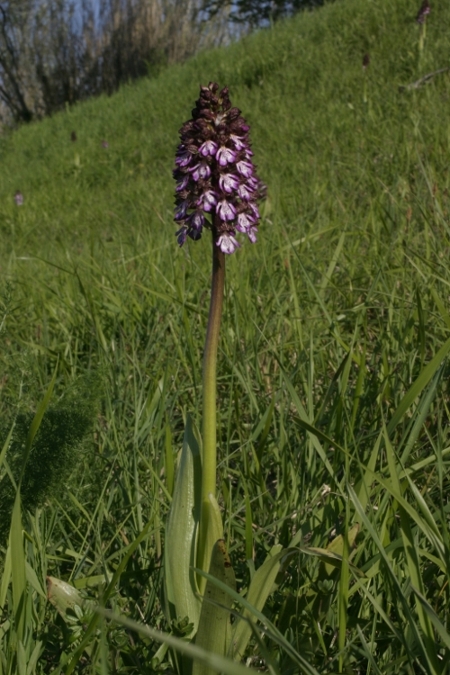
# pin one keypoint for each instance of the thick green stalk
(209, 372)
(209, 403)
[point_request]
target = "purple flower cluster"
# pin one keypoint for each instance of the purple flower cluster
(424, 10)
(215, 174)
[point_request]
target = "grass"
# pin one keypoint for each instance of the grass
(333, 370)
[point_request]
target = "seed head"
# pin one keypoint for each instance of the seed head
(217, 186)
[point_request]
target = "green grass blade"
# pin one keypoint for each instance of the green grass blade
(261, 586)
(18, 570)
(36, 423)
(214, 662)
(418, 386)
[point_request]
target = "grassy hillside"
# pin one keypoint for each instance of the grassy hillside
(333, 377)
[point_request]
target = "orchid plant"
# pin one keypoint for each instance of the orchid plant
(217, 189)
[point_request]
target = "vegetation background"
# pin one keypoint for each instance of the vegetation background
(54, 53)
(333, 389)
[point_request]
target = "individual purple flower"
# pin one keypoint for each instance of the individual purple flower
(253, 182)
(18, 198)
(239, 143)
(182, 183)
(181, 210)
(245, 168)
(227, 243)
(225, 156)
(228, 182)
(251, 233)
(245, 192)
(208, 200)
(181, 235)
(183, 158)
(255, 211)
(225, 210)
(217, 186)
(244, 222)
(202, 170)
(208, 148)
(196, 221)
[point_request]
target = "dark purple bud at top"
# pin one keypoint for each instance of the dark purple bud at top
(215, 174)
(233, 114)
(365, 61)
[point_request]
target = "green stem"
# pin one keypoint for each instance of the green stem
(209, 372)
(210, 523)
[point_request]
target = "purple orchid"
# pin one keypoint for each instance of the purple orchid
(215, 174)
(424, 10)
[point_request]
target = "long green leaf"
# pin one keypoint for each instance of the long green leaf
(180, 544)
(214, 627)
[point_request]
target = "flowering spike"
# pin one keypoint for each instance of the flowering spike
(423, 11)
(215, 174)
